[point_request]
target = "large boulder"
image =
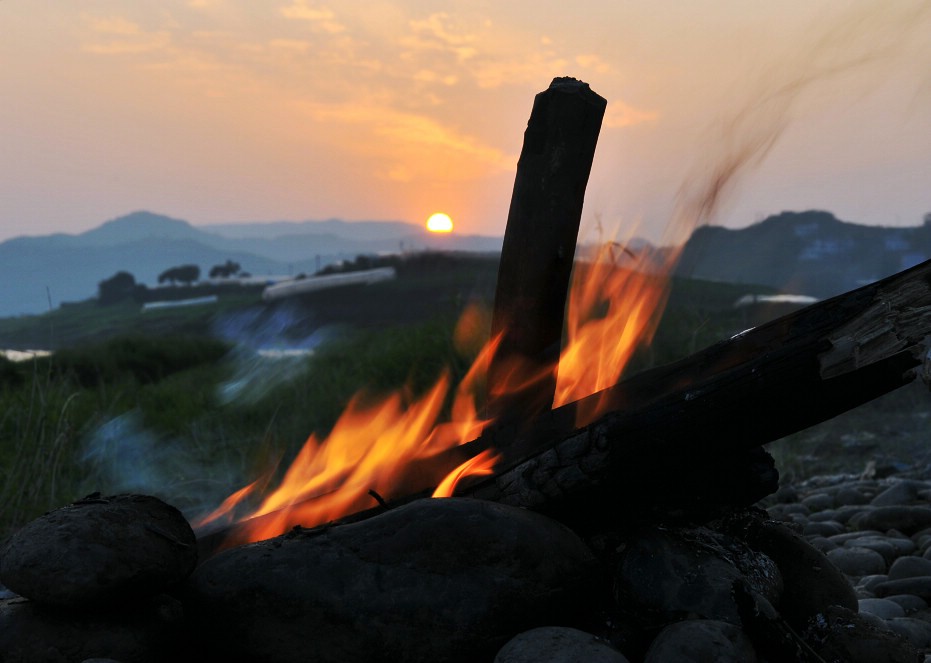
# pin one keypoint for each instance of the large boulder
(436, 579)
(100, 552)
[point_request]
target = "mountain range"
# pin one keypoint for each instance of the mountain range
(44, 271)
(809, 253)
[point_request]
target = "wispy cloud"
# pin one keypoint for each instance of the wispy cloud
(320, 18)
(114, 35)
(405, 146)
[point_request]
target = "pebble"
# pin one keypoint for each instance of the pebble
(877, 532)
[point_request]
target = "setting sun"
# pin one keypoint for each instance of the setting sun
(440, 223)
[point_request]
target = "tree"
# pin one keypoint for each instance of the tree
(116, 288)
(184, 273)
(226, 270)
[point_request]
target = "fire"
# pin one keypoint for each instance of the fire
(614, 306)
(481, 465)
(388, 447)
(370, 451)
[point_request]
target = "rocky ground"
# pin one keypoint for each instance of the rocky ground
(858, 488)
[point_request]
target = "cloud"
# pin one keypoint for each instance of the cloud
(619, 114)
(593, 62)
(405, 146)
(321, 18)
(115, 35)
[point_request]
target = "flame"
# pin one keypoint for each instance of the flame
(614, 306)
(481, 465)
(369, 454)
(382, 448)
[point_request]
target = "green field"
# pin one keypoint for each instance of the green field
(177, 403)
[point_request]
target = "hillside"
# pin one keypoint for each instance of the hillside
(810, 253)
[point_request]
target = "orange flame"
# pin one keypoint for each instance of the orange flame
(481, 465)
(614, 306)
(382, 448)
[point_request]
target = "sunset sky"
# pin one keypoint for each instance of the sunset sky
(236, 110)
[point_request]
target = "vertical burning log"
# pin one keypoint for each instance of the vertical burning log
(539, 241)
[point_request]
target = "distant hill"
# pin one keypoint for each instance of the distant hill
(809, 253)
(44, 271)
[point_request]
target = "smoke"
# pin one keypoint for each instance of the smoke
(846, 61)
(271, 347)
(122, 456)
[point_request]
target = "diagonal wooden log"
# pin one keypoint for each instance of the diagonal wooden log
(721, 403)
(682, 436)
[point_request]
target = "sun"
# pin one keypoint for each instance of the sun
(440, 223)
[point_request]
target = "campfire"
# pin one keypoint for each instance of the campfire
(575, 498)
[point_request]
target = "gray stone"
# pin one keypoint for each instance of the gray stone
(882, 608)
(880, 544)
(843, 514)
(841, 539)
(870, 582)
(909, 567)
(909, 602)
(899, 492)
(826, 528)
(919, 586)
(856, 561)
(811, 582)
(436, 579)
(850, 496)
(664, 574)
(818, 502)
(147, 633)
(842, 635)
(907, 519)
(100, 551)
(558, 644)
(822, 516)
(821, 543)
(917, 632)
(700, 640)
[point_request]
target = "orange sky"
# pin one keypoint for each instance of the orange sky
(234, 110)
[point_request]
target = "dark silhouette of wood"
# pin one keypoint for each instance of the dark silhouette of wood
(540, 238)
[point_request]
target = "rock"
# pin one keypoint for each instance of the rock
(909, 602)
(909, 567)
(665, 574)
(824, 528)
(900, 492)
(842, 635)
(907, 519)
(850, 496)
(870, 583)
(100, 551)
(916, 631)
(882, 608)
(880, 544)
(558, 644)
(436, 579)
(856, 561)
(918, 586)
(818, 502)
(150, 633)
(811, 582)
(699, 640)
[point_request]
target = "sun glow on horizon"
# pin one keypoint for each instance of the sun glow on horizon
(440, 223)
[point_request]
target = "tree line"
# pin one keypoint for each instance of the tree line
(123, 285)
